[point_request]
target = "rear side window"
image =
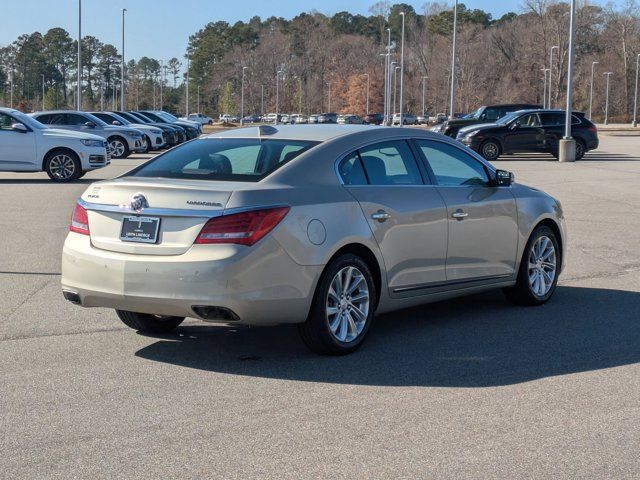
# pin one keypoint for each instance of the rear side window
(390, 163)
(241, 159)
(351, 170)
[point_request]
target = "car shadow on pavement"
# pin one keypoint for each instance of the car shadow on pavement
(478, 341)
(42, 181)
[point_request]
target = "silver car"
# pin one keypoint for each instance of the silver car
(122, 140)
(320, 225)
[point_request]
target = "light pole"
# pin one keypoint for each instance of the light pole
(424, 78)
(277, 93)
(186, 100)
(11, 87)
(401, 66)
(452, 95)
(300, 99)
(198, 99)
(544, 87)
(635, 96)
(262, 100)
(122, 67)
(387, 79)
(329, 85)
(43, 92)
(367, 102)
(79, 86)
(162, 78)
(395, 87)
(244, 69)
(606, 99)
(567, 151)
(593, 65)
(555, 47)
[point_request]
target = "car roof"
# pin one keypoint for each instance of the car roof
(317, 133)
(545, 110)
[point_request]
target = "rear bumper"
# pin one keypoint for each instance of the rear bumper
(260, 284)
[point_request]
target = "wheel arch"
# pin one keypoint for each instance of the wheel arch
(368, 257)
(53, 150)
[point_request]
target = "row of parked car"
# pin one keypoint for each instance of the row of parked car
(66, 144)
(332, 117)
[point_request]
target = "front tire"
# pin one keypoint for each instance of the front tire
(539, 269)
(148, 144)
(118, 147)
(63, 166)
(144, 322)
(490, 150)
(342, 309)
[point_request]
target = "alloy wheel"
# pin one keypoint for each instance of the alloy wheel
(117, 148)
(490, 150)
(62, 167)
(542, 266)
(347, 304)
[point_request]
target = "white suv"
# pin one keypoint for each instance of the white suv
(198, 117)
(27, 145)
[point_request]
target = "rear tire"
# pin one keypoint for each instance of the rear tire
(63, 166)
(144, 322)
(342, 309)
(581, 149)
(537, 280)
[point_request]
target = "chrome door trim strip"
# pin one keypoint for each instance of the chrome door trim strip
(451, 283)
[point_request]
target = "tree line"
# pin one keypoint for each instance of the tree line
(326, 62)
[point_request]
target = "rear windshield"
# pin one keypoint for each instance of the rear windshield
(233, 159)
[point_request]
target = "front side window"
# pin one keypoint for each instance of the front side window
(5, 121)
(529, 120)
(491, 114)
(75, 119)
(451, 166)
(224, 159)
(390, 163)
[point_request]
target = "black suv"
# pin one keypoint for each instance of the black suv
(485, 114)
(529, 131)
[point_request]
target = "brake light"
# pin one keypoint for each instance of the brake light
(241, 228)
(593, 129)
(79, 220)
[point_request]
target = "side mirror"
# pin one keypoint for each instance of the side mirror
(483, 116)
(116, 122)
(19, 127)
(90, 125)
(504, 178)
(514, 126)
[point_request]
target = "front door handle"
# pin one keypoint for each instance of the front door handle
(381, 216)
(459, 214)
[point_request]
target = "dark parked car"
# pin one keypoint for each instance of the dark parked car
(191, 130)
(529, 131)
(174, 133)
(328, 118)
(373, 119)
(484, 114)
(252, 119)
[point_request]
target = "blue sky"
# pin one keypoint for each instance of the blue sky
(161, 28)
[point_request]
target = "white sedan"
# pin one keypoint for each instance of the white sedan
(27, 145)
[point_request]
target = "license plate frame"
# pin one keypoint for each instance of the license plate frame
(146, 231)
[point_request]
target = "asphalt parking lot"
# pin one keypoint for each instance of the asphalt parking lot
(472, 388)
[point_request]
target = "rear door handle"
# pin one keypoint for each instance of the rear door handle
(381, 216)
(459, 214)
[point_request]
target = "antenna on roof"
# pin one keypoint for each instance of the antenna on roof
(267, 130)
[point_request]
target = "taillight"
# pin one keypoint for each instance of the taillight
(593, 129)
(79, 220)
(244, 228)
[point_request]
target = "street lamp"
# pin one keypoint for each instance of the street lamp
(244, 69)
(43, 92)
(367, 108)
(567, 150)
(122, 66)
(277, 93)
(79, 86)
(635, 97)
(11, 87)
(262, 100)
(387, 79)
(452, 96)
(395, 87)
(544, 87)
(593, 64)
(555, 47)
(401, 66)
(424, 78)
(186, 92)
(606, 99)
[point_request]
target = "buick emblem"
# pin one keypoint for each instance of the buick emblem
(138, 202)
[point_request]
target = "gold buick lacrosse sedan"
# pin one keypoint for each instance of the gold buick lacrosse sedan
(320, 225)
